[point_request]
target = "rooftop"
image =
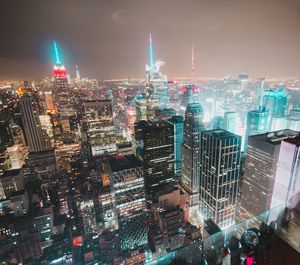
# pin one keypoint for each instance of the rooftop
(220, 133)
(275, 137)
(153, 123)
(295, 140)
(119, 163)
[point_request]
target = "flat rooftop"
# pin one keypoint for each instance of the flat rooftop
(276, 137)
(119, 163)
(219, 133)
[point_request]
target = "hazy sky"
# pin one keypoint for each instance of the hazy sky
(108, 39)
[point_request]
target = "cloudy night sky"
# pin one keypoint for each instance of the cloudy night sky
(108, 39)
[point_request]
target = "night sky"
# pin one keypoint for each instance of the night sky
(108, 39)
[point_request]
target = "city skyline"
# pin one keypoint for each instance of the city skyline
(109, 40)
(142, 133)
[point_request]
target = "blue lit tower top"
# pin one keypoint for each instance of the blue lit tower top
(150, 51)
(57, 57)
(59, 69)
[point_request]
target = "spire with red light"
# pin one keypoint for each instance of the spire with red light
(59, 69)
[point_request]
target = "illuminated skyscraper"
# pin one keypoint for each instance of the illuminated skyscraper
(100, 129)
(141, 107)
(60, 72)
(230, 121)
(131, 119)
(33, 132)
(260, 83)
(49, 102)
(286, 195)
(258, 122)
(190, 174)
(178, 140)
(157, 83)
(77, 78)
(154, 146)
(260, 172)
(87, 211)
(127, 182)
(220, 170)
(275, 102)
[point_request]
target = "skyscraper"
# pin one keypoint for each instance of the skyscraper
(33, 131)
(157, 83)
(87, 212)
(230, 121)
(275, 101)
(220, 169)
(286, 193)
(178, 140)
(141, 107)
(260, 172)
(60, 72)
(100, 129)
(190, 174)
(49, 102)
(258, 122)
(127, 183)
(154, 146)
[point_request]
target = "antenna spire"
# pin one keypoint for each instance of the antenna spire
(150, 51)
(193, 64)
(57, 58)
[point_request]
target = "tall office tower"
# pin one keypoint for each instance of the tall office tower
(141, 107)
(217, 122)
(87, 211)
(286, 193)
(100, 128)
(243, 78)
(260, 83)
(131, 119)
(187, 95)
(260, 172)
(275, 102)
(220, 169)
(6, 138)
(154, 146)
(77, 78)
(230, 121)
(42, 166)
(43, 222)
(127, 183)
(178, 140)
(47, 127)
(293, 120)
(157, 83)
(36, 141)
(258, 122)
(50, 107)
(60, 72)
(190, 174)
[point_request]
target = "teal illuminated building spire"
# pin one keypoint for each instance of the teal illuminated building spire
(150, 51)
(60, 72)
(57, 57)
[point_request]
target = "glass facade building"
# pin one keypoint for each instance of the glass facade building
(190, 175)
(99, 126)
(178, 140)
(127, 183)
(154, 146)
(220, 170)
